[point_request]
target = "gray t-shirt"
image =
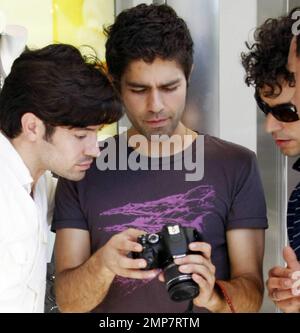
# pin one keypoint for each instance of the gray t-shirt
(229, 196)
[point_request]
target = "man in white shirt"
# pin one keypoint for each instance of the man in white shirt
(52, 104)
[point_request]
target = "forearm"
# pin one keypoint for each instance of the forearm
(81, 289)
(245, 293)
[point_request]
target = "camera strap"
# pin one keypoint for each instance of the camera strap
(190, 307)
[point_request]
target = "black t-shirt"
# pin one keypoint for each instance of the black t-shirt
(293, 216)
(229, 196)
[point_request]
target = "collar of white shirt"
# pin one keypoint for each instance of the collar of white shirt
(14, 162)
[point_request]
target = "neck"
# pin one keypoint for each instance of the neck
(30, 159)
(166, 146)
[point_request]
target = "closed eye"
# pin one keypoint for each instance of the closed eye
(169, 89)
(143, 90)
(80, 137)
(138, 91)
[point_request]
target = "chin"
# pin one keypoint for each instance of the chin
(75, 176)
(291, 152)
(159, 132)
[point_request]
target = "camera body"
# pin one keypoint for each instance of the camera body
(160, 250)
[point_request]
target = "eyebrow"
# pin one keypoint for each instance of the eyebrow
(277, 104)
(133, 84)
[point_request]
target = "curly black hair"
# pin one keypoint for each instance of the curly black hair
(146, 32)
(266, 61)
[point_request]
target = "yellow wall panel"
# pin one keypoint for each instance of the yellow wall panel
(80, 22)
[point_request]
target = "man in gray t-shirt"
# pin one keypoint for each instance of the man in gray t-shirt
(104, 203)
(149, 55)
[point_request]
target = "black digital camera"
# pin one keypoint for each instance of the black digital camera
(160, 250)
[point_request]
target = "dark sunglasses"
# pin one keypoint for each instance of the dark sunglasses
(286, 112)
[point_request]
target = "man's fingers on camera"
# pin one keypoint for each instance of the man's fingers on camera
(205, 248)
(280, 272)
(203, 284)
(134, 233)
(161, 277)
(191, 258)
(196, 259)
(280, 295)
(200, 270)
(279, 283)
(128, 246)
(129, 263)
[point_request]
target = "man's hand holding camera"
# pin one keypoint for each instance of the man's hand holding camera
(186, 265)
(203, 273)
(115, 259)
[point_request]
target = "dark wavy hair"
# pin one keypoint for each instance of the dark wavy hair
(146, 32)
(59, 86)
(266, 61)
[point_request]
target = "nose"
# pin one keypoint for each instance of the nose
(272, 124)
(92, 147)
(155, 101)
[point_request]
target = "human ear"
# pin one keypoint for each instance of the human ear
(293, 60)
(31, 126)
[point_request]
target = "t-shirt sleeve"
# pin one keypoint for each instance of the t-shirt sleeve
(67, 211)
(248, 209)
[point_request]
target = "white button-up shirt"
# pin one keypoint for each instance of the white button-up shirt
(24, 226)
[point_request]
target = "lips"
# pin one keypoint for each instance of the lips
(157, 122)
(282, 143)
(85, 165)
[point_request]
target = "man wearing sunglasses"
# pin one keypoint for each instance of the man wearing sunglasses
(285, 112)
(273, 67)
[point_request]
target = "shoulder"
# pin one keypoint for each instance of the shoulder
(227, 151)
(229, 158)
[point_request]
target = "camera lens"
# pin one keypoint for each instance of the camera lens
(181, 287)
